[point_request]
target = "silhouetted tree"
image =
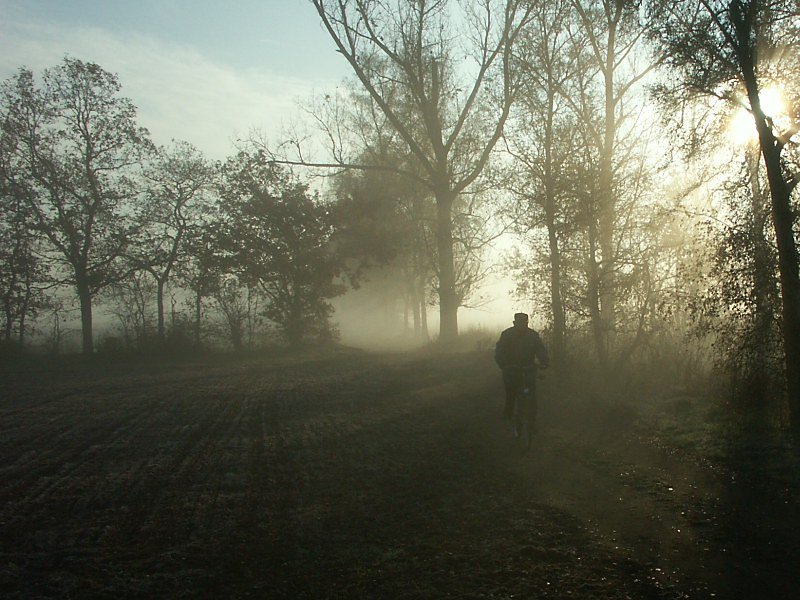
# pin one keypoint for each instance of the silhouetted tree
(78, 149)
(274, 234)
(540, 141)
(200, 271)
(131, 302)
(742, 306)
(449, 114)
(22, 273)
(580, 170)
(732, 50)
(612, 36)
(384, 223)
(239, 306)
(177, 183)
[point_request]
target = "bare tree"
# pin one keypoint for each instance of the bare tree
(130, 301)
(448, 112)
(239, 305)
(177, 182)
(541, 140)
(612, 35)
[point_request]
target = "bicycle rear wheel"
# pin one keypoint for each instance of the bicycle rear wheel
(518, 425)
(523, 427)
(527, 418)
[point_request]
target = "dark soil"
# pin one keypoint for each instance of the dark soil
(360, 476)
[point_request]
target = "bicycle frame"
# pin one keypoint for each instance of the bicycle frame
(525, 409)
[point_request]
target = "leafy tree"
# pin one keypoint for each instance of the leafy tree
(742, 306)
(388, 222)
(275, 235)
(733, 50)
(22, 273)
(78, 148)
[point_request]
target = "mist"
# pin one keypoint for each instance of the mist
(425, 299)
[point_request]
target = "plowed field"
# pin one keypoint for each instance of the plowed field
(359, 476)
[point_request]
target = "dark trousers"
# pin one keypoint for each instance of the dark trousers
(514, 380)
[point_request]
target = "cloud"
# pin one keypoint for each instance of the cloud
(180, 92)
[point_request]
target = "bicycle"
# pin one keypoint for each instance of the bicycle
(524, 419)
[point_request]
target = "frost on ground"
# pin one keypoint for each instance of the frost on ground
(355, 475)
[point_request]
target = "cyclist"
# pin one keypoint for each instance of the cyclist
(518, 346)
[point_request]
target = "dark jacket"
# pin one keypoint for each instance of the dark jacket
(520, 347)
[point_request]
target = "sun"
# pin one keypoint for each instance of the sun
(742, 128)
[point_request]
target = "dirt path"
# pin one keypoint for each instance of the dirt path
(357, 476)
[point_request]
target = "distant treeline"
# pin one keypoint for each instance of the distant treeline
(648, 237)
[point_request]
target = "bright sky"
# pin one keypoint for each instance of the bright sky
(198, 70)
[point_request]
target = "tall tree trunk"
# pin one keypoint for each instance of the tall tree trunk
(423, 316)
(85, 296)
(420, 268)
(556, 304)
(294, 327)
(160, 308)
(236, 328)
(593, 296)
(782, 219)
(448, 300)
(23, 313)
(757, 372)
(8, 327)
(415, 306)
(788, 268)
(252, 307)
(56, 333)
(607, 212)
(198, 315)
